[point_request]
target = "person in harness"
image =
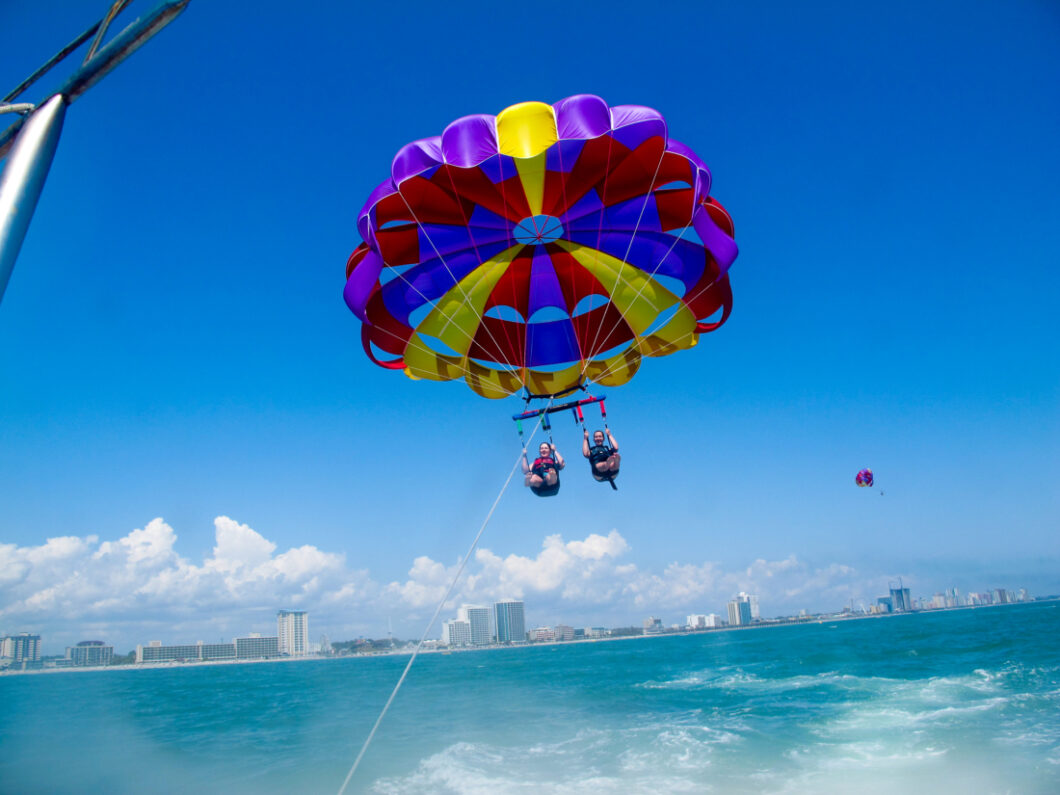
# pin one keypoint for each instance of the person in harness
(543, 475)
(603, 458)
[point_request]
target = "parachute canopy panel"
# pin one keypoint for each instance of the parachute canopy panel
(541, 248)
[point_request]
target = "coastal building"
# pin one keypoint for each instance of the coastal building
(90, 652)
(752, 600)
(1001, 596)
(542, 635)
(938, 601)
(652, 625)
(292, 629)
(216, 651)
(563, 632)
(900, 600)
(595, 632)
(20, 648)
(478, 618)
(154, 651)
(255, 647)
(739, 612)
(456, 633)
(699, 621)
(510, 621)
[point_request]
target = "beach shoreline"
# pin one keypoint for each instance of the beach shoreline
(766, 624)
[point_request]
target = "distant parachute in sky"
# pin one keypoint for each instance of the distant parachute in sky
(542, 248)
(864, 478)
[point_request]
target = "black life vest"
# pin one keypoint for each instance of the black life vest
(598, 453)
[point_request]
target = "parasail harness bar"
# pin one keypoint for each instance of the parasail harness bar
(574, 405)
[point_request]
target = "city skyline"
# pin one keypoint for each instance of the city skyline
(253, 645)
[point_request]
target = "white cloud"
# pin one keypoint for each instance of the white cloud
(139, 586)
(238, 547)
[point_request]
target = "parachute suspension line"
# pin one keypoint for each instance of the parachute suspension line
(456, 283)
(599, 235)
(629, 248)
(673, 245)
(654, 271)
(603, 414)
(418, 292)
(402, 340)
(509, 233)
(437, 611)
(478, 254)
(679, 237)
(564, 175)
(643, 207)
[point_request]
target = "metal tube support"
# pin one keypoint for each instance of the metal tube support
(120, 47)
(17, 107)
(23, 179)
(553, 409)
(106, 58)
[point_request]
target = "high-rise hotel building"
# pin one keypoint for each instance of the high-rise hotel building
(19, 648)
(739, 612)
(90, 652)
(481, 624)
(292, 629)
(511, 623)
(456, 633)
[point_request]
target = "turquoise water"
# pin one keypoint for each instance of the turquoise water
(960, 701)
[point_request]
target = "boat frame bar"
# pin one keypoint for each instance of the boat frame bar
(33, 138)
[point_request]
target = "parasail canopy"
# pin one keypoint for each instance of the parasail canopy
(542, 248)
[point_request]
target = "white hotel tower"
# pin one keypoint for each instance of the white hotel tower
(479, 617)
(292, 629)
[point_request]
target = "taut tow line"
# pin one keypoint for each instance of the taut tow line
(437, 611)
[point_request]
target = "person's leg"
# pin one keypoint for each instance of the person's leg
(601, 467)
(534, 481)
(551, 477)
(614, 462)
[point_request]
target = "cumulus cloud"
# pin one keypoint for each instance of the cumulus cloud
(139, 585)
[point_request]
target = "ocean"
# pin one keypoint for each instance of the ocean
(964, 701)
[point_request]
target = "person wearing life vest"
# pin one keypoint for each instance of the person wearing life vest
(543, 475)
(603, 458)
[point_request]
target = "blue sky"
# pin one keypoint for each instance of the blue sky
(176, 346)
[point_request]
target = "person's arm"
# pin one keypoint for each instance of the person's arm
(585, 442)
(610, 438)
(526, 464)
(560, 463)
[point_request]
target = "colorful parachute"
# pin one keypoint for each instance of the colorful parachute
(864, 478)
(542, 248)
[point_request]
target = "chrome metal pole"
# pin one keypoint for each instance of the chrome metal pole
(23, 178)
